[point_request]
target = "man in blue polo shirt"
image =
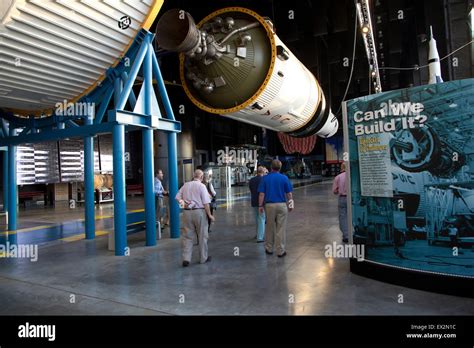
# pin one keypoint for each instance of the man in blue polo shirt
(275, 195)
(159, 193)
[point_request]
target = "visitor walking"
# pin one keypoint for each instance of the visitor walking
(259, 217)
(275, 195)
(194, 199)
(207, 181)
(339, 187)
(160, 192)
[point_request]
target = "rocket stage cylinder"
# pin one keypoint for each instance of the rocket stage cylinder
(52, 51)
(232, 63)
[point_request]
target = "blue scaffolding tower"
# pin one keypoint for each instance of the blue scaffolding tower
(110, 117)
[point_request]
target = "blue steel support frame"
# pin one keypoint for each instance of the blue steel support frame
(173, 189)
(108, 119)
(12, 191)
(132, 99)
(5, 180)
(89, 183)
(120, 202)
(120, 213)
(172, 153)
(147, 139)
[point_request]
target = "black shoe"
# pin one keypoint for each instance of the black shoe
(185, 263)
(260, 241)
(345, 240)
(208, 259)
(282, 255)
(268, 252)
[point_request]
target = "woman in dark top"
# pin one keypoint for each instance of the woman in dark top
(259, 218)
(207, 180)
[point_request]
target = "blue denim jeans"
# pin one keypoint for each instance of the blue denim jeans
(260, 220)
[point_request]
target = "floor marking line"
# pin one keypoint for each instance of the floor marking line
(62, 224)
(29, 229)
(81, 235)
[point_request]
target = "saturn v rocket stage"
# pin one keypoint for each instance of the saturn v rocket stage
(232, 63)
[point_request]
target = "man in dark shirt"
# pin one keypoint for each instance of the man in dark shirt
(259, 217)
(275, 191)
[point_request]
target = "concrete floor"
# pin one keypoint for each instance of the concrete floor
(152, 281)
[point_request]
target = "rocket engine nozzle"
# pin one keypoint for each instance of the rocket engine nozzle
(177, 32)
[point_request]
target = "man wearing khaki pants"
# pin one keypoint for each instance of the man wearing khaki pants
(194, 198)
(275, 195)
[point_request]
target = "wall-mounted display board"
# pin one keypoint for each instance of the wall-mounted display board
(63, 161)
(411, 168)
(37, 163)
(71, 154)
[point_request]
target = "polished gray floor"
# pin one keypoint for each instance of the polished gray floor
(82, 277)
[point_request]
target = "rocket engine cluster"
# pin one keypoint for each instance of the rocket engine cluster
(233, 64)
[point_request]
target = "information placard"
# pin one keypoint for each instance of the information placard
(411, 167)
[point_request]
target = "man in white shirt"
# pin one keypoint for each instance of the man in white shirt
(194, 199)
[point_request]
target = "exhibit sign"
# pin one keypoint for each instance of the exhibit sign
(411, 168)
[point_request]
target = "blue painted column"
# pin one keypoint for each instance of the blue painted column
(89, 183)
(147, 137)
(173, 189)
(120, 213)
(172, 152)
(12, 191)
(120, 203)
(5, 180)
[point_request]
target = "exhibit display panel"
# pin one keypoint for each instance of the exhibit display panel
(411, 168)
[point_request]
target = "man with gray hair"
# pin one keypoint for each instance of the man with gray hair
(194, 199)
(275, 191)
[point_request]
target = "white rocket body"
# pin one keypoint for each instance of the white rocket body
(433, 61)
(289, 102)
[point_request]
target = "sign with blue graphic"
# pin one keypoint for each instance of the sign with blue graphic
(411, 168)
